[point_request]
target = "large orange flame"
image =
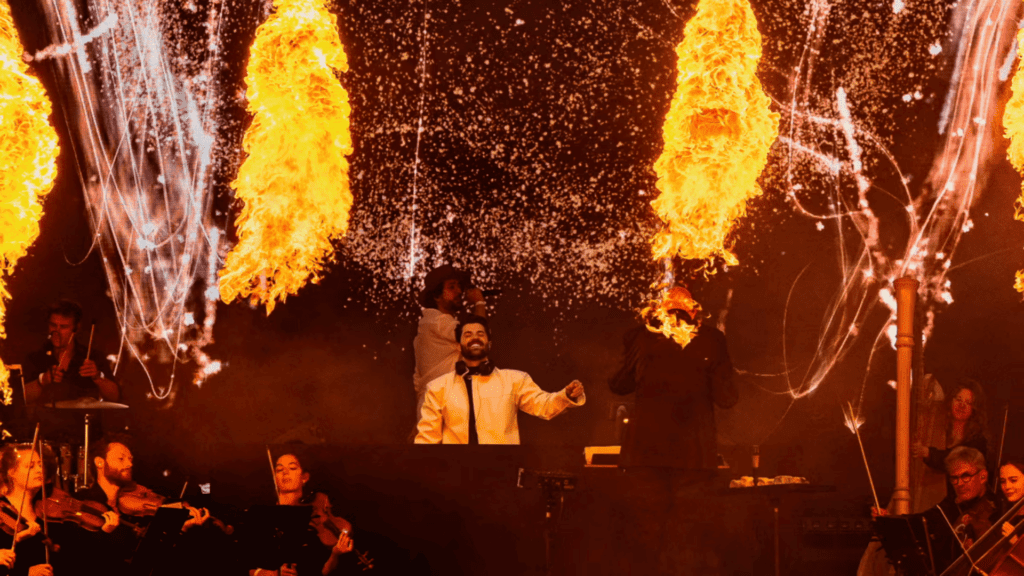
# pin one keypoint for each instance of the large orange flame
(717, 133)
(28, 161)
(294, 182)
(1013, 124)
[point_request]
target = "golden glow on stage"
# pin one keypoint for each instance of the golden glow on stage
(28, 160)
(1013, 123)
(294, 182)
(717, 133)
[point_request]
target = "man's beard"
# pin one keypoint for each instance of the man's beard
(118, 477)
(480, 354)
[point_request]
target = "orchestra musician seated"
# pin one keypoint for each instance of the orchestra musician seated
(1011, 484)
(21, 476)
(962, 517)
(291, 480)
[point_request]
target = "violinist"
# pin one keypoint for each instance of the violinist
(112, 464)
(1011, 484)
(21, 474)
(291, 479)
(961, 518)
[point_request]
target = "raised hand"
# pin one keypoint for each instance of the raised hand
(574, 390)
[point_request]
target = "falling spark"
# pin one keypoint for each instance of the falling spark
(717, 133)
(294, 182)
(1013, 123)
(28, 162)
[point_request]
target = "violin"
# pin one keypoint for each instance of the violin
(976, 520)
(329, 528)
(8, 518)
(137, 500)
(59, 506)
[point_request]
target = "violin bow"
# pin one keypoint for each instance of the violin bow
(273, 475)
(46, 525)
(967, 555)
(1002, 441)
(21, 507)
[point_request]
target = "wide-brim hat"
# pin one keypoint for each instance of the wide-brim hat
(437, 277)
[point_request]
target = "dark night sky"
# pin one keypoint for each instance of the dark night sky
(540, 139)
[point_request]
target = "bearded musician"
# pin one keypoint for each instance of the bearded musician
(111, 461)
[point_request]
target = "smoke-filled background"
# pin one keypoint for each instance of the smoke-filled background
(517, 139)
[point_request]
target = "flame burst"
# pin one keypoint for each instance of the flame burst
(294, 181)
(28, 160)
(1013, 123)
(717, 135)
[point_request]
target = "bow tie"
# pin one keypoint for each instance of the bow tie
(484, 369)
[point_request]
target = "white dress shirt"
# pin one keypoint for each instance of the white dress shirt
(498, 398)
(435, 348)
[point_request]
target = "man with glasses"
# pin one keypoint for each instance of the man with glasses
(965, 515)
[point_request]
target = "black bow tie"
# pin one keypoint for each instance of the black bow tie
(484, 369)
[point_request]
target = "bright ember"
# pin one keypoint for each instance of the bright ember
(28, 160)
(294, 182)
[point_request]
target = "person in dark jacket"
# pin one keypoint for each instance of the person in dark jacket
(677, 389)
(672, 522)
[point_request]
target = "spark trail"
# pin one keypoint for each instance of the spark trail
(140, 113)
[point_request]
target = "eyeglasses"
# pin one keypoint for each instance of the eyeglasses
(963, 477)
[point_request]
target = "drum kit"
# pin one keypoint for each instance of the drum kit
(72, 468)
(72, 464)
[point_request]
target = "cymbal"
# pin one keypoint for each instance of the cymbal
(87, 404)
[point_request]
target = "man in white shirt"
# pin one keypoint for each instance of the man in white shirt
(435, 346)
(479, 404)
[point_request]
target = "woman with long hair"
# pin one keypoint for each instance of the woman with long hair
(291, 479)
(21, 477)
(966, 425)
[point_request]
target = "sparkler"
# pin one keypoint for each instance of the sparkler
(717, 133)
(937, 216)
(294, 182)
(1013, 122)
(854, 423)
(28, 161)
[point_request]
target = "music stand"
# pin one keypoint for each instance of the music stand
(281, 533)
(907, 542)
(160, 538)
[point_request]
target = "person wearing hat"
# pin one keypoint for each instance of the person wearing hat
(446, 289)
